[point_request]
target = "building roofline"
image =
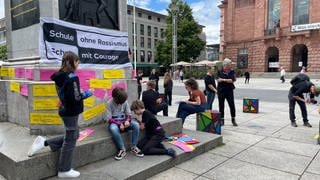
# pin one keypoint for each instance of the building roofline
(147, 11)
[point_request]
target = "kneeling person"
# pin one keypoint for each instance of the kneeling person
(155, 134)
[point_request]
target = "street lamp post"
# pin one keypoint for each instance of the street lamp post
(174, 11)
(134, 38)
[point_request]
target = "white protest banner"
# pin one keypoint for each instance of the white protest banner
(95, 47)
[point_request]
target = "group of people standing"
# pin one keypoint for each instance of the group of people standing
(199, 101)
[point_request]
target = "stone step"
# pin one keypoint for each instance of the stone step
(15, 142)
(135, 168)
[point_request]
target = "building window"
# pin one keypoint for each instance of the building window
(273, 14)
(155, 42)
(242, 60)
(129, 12)
(149, 30)
(301, 12)
(2, 37)
(162, 33)
(149, 56)
(142, 42)
(150, 17)
(149, 43)
(158, 19)
(139, 14)
(155, 32)
(141, 29)
(142, 56)
(244, 3)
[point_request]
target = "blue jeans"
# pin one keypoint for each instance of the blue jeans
(185, 110)
(67, 142)
(116, 135)
(210, 99)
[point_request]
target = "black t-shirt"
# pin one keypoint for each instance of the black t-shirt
(224, 86)
(168, 86)
(210, 80)
(149, 98)
(139, 78)
(300, 88)
(152, 125)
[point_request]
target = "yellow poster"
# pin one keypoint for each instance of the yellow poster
(101, 84)
(45, 118)
(4, 72)
(93, 112)
(113, 74)
(46, 104)
(89, 102)
(11, 72)
(44, 90)
(15, 87)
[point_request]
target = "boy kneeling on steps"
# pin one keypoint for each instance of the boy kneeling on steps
(155, 134)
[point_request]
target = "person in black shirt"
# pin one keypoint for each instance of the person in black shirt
(247, 76)
(225, 79)
(296, 95)
(168, 84)
(154, 77)
(139, 81)
(211, 90)
(155, 134)
(152, 100)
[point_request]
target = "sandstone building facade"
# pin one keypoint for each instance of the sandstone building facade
(263, 35)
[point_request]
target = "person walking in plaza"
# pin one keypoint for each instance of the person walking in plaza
(247, 77)
(154, 133)
(196, 102)
(118, 114)
(139, 81)
(154, 77)
(68, 88)
(282, 74)
(152, 100)
(211, 88)
(226, 78)
(168, 84)
(181, 74)
(300, 84)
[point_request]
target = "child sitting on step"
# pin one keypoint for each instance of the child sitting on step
(119, 118)
(155, 134)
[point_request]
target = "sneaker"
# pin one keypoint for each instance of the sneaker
(294, 124)
(121, 154)
(171, 152)
(69, 174)
(136, 151)
(307, 124)
(38, 144)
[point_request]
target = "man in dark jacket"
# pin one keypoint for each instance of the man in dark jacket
(154, 76)
(296, 95)
(152, 100)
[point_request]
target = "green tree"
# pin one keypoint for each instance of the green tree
(189, 43)
(3, 52)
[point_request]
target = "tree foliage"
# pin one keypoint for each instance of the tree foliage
(189, 44)
(3, 52)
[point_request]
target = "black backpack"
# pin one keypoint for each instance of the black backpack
(299, 78)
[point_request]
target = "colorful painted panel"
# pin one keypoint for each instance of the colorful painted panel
(250, 105)
(209, 122)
